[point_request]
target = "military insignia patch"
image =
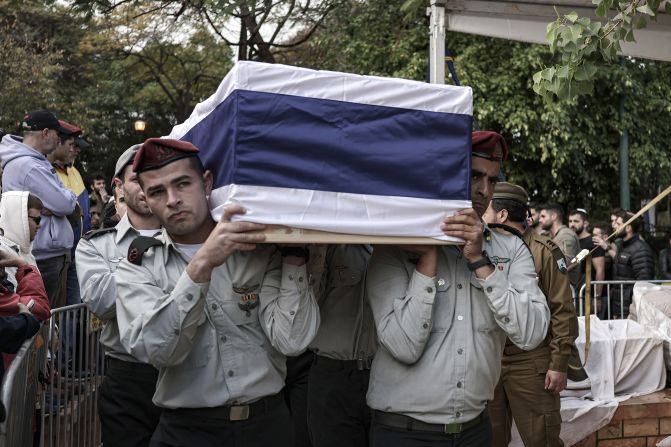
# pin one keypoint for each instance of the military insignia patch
(497, 260)
(561, 263)
(248, 300)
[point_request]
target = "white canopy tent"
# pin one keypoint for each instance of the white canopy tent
(526, 21)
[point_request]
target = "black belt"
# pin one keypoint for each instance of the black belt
(410, 424)
(343, 365)
(129, 367)
(231, 412)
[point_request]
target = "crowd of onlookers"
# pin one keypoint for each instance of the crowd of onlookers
(45, 209)
(626, 256)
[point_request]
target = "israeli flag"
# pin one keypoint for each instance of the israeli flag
(335, 152)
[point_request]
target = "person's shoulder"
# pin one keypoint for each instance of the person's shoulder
(95, 234)
(141, 246)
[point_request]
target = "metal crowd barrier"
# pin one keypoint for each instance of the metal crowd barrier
(606, 300)
(74, 372)
(20, 392)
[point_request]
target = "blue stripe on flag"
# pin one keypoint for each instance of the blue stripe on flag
(267, 139)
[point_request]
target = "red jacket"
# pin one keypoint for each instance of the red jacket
(30, 287)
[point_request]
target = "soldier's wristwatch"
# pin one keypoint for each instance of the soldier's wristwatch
(473, 266)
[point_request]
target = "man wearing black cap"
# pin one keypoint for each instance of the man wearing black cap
(531, 381)
(214, 311)
(442, 315)
(26, 168)
(127, 415)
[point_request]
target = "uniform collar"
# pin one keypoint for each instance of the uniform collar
(122, 227)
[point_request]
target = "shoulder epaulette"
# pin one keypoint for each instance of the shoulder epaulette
(139, 246)
(95, 233)
(508, 228)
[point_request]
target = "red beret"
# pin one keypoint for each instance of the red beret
(489, 145)
(158, 152)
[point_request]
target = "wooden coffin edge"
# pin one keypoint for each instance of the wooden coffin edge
(279, 234)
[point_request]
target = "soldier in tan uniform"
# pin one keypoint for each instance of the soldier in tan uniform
(531, 381)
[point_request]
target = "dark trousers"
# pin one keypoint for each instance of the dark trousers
(54, 275)
(337, 410)
(127, 415)
(296, 396)
(477, 436)
(210, 427)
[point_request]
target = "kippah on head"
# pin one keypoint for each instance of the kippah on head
(510, 191)
(158, 152)
(489, 145)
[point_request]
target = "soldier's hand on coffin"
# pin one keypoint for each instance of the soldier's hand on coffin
(555, 381)
(225, 239)
(467, 225)
(428, 257)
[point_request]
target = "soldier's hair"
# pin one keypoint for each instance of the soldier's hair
(97, 176)
(626, 215)
(554, 208)
(34, 202)
(64, 138)
(516, 211)
(581, 213)
(197, 165)
(534, 206)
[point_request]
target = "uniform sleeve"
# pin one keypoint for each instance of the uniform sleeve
(519, 306)
(563, 319)
(288, 310)
(54, 196)
(154, 326)
(96, 280)
(31, 287)
(402, 304)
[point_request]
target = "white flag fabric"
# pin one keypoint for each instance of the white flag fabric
(335, 152)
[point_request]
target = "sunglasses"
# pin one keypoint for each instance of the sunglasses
(36, 219)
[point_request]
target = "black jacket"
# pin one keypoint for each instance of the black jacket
(665, 264)
(635, 261)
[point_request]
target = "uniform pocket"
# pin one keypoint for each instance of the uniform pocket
(541, 366)
(443, 309)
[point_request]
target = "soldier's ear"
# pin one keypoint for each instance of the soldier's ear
(208, 181)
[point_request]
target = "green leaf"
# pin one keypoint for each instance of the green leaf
(576, 31)
(641, 22)
(572, 16)
(548, 73)
(563, 72)
(551, 34)
(645, 9)
(584, 21)
(601, 10)
(538, 77)
(580, 73)
(629, 37)
(667, 7)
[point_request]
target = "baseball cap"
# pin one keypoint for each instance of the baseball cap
(42, 119)
(82, 143)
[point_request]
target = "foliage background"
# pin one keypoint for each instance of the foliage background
(103, 69)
